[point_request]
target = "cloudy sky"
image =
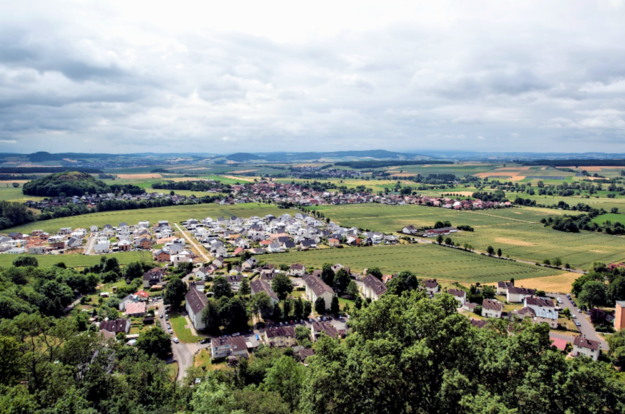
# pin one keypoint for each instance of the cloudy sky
(258, 76)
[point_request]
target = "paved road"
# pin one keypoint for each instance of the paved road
(90, 243)
(586, 329)
(183, 353)
(199, 249)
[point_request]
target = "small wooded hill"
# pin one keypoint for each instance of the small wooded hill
(74, 183)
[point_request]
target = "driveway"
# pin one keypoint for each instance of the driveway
(586, 329)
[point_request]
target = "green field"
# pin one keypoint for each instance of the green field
(425, 260)
(517, 231)
(173, 213)
(614, 218)
(77, 260)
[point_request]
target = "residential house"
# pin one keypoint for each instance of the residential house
(322, 327)
(518, 294)
(334, 242)
(116, 326)
(297, 269)
(153, 277)
(411, 230)
(195, 302)
(619, 315)
(491, 308)
(317, 288)
(502, 287)
(229, 346)
(234, 281)
(260, 285)
(586, 347)
(280, 336)
(372, 287)
(161, 256)
(459, 294)
(135, 309)
(431, 286)
(544, 311)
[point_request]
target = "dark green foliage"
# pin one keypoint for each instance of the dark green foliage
(14, 214)
(25, 261)
(341, 281)
(154, 342)
(282, 285)
(327, 274)
(221, 288)
(74, 184)
(334, 305)
(320, 306)
(175, 293)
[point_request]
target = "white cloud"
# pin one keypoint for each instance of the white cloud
(280, 75)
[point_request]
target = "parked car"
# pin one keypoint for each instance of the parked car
(236, 334)
(577, 323)
(160, 316)
(257, 338)
(175, 340)
(204, 341)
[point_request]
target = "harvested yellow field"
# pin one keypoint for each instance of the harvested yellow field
(513, 242)
(512, 169)
(243, 171)
(251, 180)
(404, 175)
(559, 283)
(138, 176)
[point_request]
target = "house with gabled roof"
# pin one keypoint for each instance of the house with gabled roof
(459, 294)
(260, 285)
(583, 346)
(372, 287)
(491, 308)
(518, 294)
(195, 302)
(317, 288)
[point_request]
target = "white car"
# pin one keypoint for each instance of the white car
(175, 340)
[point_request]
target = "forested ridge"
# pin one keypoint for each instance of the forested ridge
(406, 354)
(67, 184)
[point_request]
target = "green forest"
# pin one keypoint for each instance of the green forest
(68, 184)
(404, 354)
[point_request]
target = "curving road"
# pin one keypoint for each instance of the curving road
(586, 329)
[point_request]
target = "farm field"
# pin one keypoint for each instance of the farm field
(171, 213)
(614, 218)
(518, 231)
(77, 260)
(426, 260)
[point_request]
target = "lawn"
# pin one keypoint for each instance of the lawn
(172, 213)
(613, 218)
(77, 260)
(178, 324)
(203, 360)
(426, 260)
(517, 231)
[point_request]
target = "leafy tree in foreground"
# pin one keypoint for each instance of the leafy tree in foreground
(282, 285)
(244, 288)
(320, 306)
(221, 288)
(593, 294)
(175, 293)
(155, 342)
(25, 261)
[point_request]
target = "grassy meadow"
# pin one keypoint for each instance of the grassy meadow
(78, 260)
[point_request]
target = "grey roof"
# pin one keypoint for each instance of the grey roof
(539, 302)
(491, 305)
(116, 326)
(521, 290)
(196, 300)
(281, 331)
(375, 284)
(459, 293)
(318, 286)
(260, 285)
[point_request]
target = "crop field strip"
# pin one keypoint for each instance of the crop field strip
(517, 231)
(78, 260)
(423, 259)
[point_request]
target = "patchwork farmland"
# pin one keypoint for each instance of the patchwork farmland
(518, 232)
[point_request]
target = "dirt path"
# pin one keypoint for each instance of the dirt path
(192, 243)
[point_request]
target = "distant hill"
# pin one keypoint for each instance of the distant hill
(340, 156)
(242, 157)
(74, 183)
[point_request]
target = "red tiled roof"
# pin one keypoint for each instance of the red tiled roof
(559, 343)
